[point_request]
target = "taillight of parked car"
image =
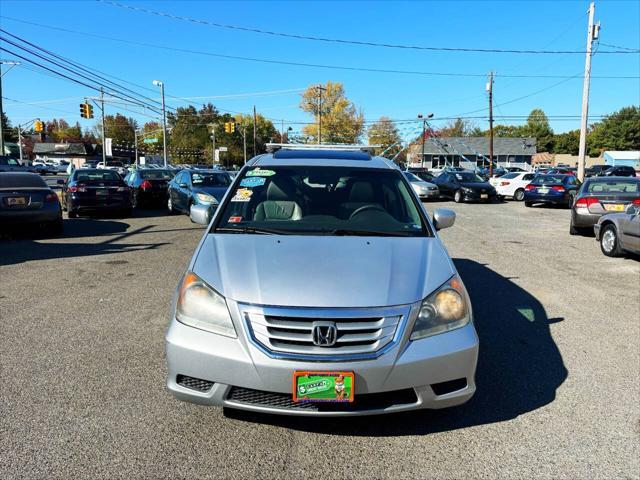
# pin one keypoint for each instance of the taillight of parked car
(504, 184)
(74, 189)
(585, 202)
(146, 185)
(636, 201)
(51, 198)
(530, 187)
(558, 188)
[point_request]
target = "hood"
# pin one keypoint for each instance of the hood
(423, 184)
(217, 192)
(477, 185)
(310, 271)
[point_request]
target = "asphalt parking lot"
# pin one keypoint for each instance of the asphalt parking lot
(82, 364)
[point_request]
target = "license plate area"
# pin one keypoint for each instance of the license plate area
(16, 201)
(316, 387)
(614, 207)
(484, 195)
(543, 190)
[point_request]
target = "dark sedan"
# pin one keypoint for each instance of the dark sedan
(601, 195)
(149, 186)
(551, 189)
(91, 190)
(26, 199)
(464, 187)
(197, 187)
(620, 171)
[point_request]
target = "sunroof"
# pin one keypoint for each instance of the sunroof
(329, 154)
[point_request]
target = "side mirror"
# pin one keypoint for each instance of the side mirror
(200, 214)
(443, 218)
(60, 182)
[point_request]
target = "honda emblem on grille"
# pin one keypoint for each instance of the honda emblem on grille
(325, 334)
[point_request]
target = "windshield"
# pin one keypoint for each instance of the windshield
(201, 179)
(549, 179)
(411, 177)
(322, 200)
(509, 175)
(96, 176)
(156, 174)
(468, 177)
(614, 186)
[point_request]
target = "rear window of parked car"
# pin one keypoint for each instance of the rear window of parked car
(96, 176)
(210, 179)
(8, 161)
(156, 175)
(549, 179)
(21, 180)
(617, 186)
(510, 175)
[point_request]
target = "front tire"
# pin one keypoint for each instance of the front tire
(571, 200)
(458, 197)
(519, 195)
(528, 204)
(170, 206)
(609, 242)
(72, 214)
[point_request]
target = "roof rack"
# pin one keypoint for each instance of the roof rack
(274, 147)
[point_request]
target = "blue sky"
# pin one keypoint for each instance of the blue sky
(504, 25)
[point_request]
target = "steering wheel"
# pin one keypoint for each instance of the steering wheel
(365, 208)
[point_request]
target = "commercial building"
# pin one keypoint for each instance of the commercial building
(471, 152)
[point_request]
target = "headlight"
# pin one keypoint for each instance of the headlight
(445, 309)
(206, 198)
(200, 306)
(467, 189)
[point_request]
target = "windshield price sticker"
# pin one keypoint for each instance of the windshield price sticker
(242, 195)
(258, 172)
(253, 182)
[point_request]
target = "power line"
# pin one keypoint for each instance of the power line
(631, 50)
(303, 64)
(338, 40)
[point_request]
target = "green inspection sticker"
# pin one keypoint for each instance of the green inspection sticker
(258, 172)
(323, 387)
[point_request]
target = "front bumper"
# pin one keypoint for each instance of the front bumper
(473, 196)
(427, 194)
(583, 218)
(555, 199)
(234, 364)
(95, 204)
(22, 216)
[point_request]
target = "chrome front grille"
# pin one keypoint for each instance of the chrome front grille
(356, 335)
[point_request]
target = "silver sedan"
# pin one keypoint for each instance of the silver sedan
(424, 190)
(619, 232)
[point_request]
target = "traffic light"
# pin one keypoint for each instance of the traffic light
(229, 127)
(86, 110)
(38, 126)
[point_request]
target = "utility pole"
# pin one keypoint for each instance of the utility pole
(424, 133)
(490, 90)
(255, 136)
(104, 144)
(1, 115)
(160, 84)
(320, 89)
(282, 133)
(244, 141)
(135, 142)
(592, 34)
(19, 141)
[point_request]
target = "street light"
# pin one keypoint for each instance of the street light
(424, 131)
(160, 84)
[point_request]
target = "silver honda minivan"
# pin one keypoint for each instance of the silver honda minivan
(321, 287)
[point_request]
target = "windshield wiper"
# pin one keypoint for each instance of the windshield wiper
(247, 229)
(366, 233)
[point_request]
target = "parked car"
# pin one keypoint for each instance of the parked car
(560, 171)
(465, 186)
(619, 232)
(113, 165)
(423, 173)
(9, 164)
(595, 170)
(620, 171)
(512, 184)
(554, 189)
(321, 288)
(600, 195)
(514, 169)
(90, 190)
(197, 187)
(424, 190)
(62, 167)
(149, 186)
(26, 199)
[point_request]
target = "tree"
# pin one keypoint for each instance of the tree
(385, 133)
(507, 131)
(568, 142)
(8, 134)
(538, 127)
(119, 128)
(618, 131)
(59, 130)
(342, 122)
(458, 128)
